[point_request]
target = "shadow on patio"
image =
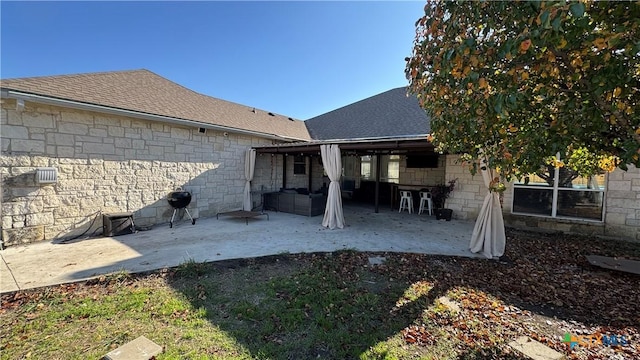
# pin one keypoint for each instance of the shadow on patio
(339, 305)
(211, 239)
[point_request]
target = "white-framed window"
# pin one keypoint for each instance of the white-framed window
(299, 165)
(366, 167)
(560, 193)
(389, 168)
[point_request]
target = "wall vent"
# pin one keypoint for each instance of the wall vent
(48, 175)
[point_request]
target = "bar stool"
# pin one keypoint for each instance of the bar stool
(425, 198)
(406, 201)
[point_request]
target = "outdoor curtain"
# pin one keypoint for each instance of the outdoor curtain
(333, 216)
(249, 166)
(488, 234)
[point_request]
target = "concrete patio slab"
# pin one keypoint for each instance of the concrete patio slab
(7, 282)
(139, 349)
(534, 349)
(210, 239)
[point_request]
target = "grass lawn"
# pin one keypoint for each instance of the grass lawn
(339, 306)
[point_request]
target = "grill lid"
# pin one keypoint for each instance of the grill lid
(179, 198)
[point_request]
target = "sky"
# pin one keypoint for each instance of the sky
(295, 58)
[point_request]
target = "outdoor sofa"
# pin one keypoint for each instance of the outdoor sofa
(296, 201)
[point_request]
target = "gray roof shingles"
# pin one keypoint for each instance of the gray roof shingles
(390, 114)
(146, 92)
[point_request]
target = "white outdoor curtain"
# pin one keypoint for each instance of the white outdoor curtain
(333, 216)
(488, 234)
(249, 166)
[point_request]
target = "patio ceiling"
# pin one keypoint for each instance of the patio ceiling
(354, 146)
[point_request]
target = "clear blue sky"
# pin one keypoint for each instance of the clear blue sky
(299, 59)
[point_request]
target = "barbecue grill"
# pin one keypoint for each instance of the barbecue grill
(180, 199)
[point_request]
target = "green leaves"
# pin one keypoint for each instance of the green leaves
(577, 9)
(560, 73)
(544, 20)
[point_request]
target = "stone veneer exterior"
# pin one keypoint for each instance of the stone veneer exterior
(302, 181)
(422, 176)
(468, 195)
(110, 164)
(622, 205)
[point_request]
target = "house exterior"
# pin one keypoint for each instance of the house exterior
(605, 205)
(121, 141)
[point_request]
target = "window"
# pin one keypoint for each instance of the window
(560, 193)
(389, 168)
(392, 174)
(299, 165)
(366, 166)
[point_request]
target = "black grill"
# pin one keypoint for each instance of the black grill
(179, 199)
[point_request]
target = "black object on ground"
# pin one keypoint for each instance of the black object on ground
(180, 199)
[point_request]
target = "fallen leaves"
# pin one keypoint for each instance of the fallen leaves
(543, 279)
(542, 288)
(415, 334)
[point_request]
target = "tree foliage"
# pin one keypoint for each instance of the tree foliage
(524, 80)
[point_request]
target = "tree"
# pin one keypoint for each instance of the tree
(524, 80)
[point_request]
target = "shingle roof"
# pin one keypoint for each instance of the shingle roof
(391, 113)
(146, 92)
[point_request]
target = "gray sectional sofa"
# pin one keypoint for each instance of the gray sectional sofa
(296, 202)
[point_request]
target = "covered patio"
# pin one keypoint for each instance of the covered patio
(377, 190)
(488, 234)
(47, 263)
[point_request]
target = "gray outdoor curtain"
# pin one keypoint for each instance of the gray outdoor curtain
(488, 234)
(249, 166)
(333, 216)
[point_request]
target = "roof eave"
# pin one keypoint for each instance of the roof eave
(42, 99)
(403, 143)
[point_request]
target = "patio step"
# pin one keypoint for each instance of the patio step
(138, 349)
(534, 349)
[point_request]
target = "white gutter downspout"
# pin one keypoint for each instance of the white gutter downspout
(11, 94)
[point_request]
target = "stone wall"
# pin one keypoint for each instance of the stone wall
(302, 181)
(268, 174)
(469, 193)
(621, 211)
(622, 215)
(422, 176)
(317, 175)
(108, 164)
(622, 205)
